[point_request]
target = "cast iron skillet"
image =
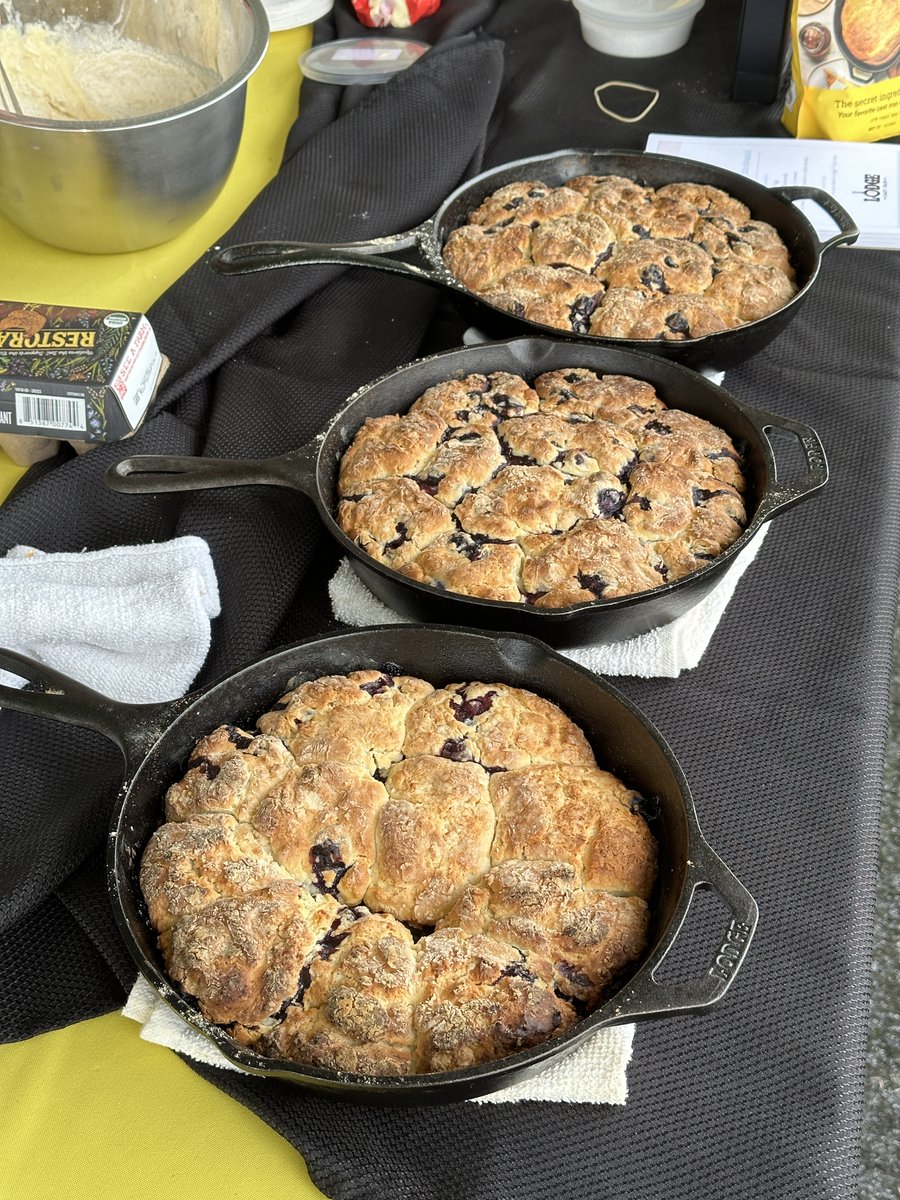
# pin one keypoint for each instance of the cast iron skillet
(313, 469)
(715, 350)
(863, 70)
(156, 740)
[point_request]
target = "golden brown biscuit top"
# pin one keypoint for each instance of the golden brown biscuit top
(573, 457)
(300, 921)
(596, 255)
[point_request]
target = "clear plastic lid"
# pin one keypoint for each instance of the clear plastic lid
(360, 60)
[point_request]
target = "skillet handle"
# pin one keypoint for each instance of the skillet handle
(645, 997)
(849, 230)
(247, 257)
(143, 473)
(133, 727)
(782, 496)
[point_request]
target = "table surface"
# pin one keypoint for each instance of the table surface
(108, 1113)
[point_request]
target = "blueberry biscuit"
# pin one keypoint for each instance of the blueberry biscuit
(597, 255)
(429, 879)
(574, 488)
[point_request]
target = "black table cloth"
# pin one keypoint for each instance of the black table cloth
(780, 729)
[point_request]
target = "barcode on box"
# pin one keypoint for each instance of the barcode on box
(38, 411)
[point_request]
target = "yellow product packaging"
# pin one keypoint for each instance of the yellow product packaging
(845, 70)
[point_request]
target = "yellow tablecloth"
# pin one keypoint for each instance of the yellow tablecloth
(92, 1110)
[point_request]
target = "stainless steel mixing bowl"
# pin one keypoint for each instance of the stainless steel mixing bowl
(109, 186)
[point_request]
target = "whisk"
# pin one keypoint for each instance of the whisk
(8, 98)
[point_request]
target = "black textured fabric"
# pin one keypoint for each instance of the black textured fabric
(780, 729)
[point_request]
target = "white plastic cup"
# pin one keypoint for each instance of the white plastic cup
(637, 28)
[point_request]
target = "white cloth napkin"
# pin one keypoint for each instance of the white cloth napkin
(662, 653)
(592, 1074)
(133, 622)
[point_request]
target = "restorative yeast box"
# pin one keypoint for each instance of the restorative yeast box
(78, 374)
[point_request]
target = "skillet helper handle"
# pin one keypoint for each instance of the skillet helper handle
(151, 473)
(133, 727)
(645, 997)
(849, 230)
(781, 496)
(247, 257)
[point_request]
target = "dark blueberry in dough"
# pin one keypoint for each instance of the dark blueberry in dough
(714, 454)
(661, 569)
(516, 202)
(701, 495)
(733, 240)
(532, 597)
(239, 739)
(653, 278)
(657, 427)
(207, 768)
(506, 406)
(580, 313)
(574, 377)
(678, 323)
(534, 225)
(332, 939)
(609, 502)
(515, 460)
(503, 224)
(429, 484)
(573, 976)
(456, 749)
(670, 261)
(325, 858)
(625, 473)
(377, 686)
(467, 546)
(536, 193)
(641, 230)
(304, 979)
(591, 583)
(641, 501)
(466, 710)
(605, 255)
(398, 541)
(517, 970)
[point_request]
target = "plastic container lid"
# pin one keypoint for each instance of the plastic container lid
(360, 60)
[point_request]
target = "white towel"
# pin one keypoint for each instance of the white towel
(662, 653)
(592, 1074)
(133, 622)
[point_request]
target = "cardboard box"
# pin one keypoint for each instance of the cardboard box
(77, 374)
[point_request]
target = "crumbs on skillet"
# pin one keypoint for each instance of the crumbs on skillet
(578, 487)
(386, 878)
(607, 257)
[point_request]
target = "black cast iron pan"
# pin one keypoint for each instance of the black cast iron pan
(156, 741)
(313, 469)
(861, 69)
(720, 350)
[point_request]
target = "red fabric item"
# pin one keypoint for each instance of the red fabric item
(399, 13)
